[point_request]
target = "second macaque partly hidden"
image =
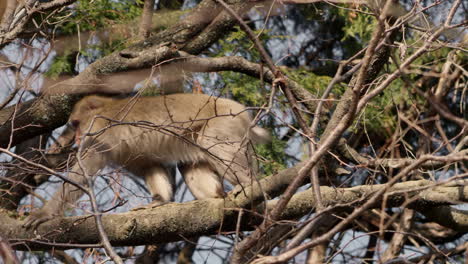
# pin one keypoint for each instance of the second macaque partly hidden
(207, 137)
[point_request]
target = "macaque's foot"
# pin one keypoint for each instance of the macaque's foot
(36, 218)
(154, 204)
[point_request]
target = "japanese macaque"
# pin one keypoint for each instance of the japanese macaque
(207, 137)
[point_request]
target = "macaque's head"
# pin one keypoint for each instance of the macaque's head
(84, 111)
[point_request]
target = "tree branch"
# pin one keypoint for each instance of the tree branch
(173, 222)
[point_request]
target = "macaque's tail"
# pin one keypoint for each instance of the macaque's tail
(259, 135)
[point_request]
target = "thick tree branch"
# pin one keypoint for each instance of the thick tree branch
(175, 221)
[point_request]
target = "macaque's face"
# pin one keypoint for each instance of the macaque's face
(80, 119)
(85, 111)
(82, 113)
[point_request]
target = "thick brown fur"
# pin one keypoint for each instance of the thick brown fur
(207, 137)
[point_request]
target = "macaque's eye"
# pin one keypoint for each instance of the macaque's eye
(75, 123)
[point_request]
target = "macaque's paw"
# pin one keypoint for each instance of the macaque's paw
(36, 218)
(154, 204)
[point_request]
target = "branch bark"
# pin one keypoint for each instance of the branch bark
(175, 221)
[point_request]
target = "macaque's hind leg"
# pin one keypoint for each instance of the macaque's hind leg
(227, 144)
(233, 163)
(202, 180)
(67, 194)
(160, 182)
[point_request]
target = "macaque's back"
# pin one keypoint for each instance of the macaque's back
(168, 128)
